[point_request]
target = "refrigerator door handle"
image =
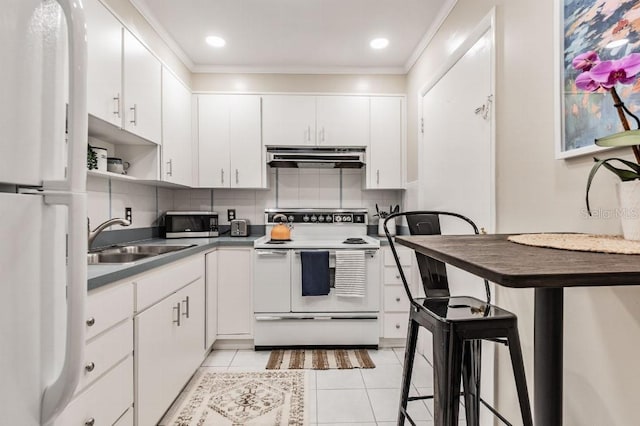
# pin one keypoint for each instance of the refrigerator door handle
(76, 175)
(57, 395)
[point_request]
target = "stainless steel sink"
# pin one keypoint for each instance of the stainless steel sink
(132, 253)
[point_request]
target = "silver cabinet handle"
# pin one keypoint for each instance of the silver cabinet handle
(378, 176)
(91, 321)
(186, 310)
(398, 326)
(134, 108)
(398, 276)
(90, 367)
(177, 308)
(90, 422)
(170, 167)
(237, 176)
(221, 175)
(397, 299)
(117, 105)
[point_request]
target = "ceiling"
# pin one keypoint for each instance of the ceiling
(298, 36)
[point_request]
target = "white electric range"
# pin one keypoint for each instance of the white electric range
(282, 316)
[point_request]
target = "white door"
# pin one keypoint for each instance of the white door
(142, 87)
(289, 120)
(176, 130)
(384, 169)
(104, 68)
(245, 142)
(342, 120)
(456, 162)
(213, 141)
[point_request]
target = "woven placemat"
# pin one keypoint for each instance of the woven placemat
(580, 242)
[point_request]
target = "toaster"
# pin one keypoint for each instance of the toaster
(239, 228)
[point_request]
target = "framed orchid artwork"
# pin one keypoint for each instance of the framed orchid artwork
(612, 29)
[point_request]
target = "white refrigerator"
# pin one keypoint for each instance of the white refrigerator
(43, 142)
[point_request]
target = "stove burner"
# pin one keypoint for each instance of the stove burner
(277, 241)
(354, 241)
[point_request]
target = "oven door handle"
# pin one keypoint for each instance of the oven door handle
(314, 318)
(333, 252)
(265, 253)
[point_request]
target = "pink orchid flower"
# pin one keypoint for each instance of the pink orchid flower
(585, 61)
(608, 73)
(585, 82)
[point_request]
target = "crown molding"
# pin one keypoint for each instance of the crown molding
(231, 69)
(445, 10)
(144, 9)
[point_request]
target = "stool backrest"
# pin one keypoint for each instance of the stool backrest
(433, 273)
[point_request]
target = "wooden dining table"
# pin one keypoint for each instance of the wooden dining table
(546, 270)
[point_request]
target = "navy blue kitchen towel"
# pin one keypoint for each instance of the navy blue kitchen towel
(315, 273)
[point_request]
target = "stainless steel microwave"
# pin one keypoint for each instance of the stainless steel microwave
(179, 224)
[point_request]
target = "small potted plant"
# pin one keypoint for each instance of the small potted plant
(605, 75)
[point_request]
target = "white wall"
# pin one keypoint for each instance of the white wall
(291, 188)
(535, 192)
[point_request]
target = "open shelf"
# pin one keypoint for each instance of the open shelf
(110, 175)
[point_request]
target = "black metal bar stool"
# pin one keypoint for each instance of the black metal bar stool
(457, 324)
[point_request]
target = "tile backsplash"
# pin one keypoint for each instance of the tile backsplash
(287, 188)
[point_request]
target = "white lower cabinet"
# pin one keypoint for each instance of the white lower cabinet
(168, 349)
(395, 299)
(235, 309)
(211, 296)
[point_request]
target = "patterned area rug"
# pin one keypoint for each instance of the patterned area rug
(271, 398)
(319, 359)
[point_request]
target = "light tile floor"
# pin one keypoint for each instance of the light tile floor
(363, 397)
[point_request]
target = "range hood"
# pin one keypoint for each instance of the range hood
(315, 157)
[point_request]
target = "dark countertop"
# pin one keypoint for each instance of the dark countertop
(100, 275)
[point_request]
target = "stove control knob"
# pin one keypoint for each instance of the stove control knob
(314, 218)
(338, 218)
(290, 218)
(329, 218)
(346, 219)
(305, 218)
(320, 218)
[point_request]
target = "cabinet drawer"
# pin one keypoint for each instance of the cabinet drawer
(395, 299)
(158, 284)
(105, 351)
(405, 255)
(107, 307)
(104, 401)
(126, 419)
(395, 325)
(392, 275)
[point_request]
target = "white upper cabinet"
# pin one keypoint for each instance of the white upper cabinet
(386, 150)
(301, 120)
(104, 79)
(176, 131)
(142, 86)
(289, 120)
(342, 120)
(124, 78)
(230, 153)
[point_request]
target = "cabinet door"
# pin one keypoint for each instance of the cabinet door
(104, 68)
(191, 337)
(176, 130)
(384, 169)
(235, 311)
(156, 334)
(211, 291)
(343, 120)
(142, 86)
(245, 143)
(289, 120)
(213, 141)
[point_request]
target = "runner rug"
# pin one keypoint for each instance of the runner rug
(319, 359)
(241, 398)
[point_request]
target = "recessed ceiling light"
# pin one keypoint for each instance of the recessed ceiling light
(617, 43)
(215, 41)
(379, 43)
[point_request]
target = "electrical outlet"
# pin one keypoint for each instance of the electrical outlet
(127, 213)
(231, 214)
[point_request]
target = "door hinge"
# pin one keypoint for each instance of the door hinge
(422, 126)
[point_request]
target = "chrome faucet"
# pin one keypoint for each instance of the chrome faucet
(93, 234)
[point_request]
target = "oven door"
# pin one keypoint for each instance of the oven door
(331, 302)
